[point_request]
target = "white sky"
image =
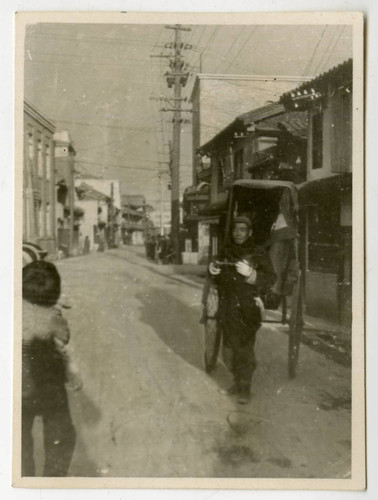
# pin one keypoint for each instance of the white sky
(96, 81)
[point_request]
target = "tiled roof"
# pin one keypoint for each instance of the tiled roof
(89, 193)
(135, 200)
(339, 75)
(131, 211)
(269, 116)
(295, 122)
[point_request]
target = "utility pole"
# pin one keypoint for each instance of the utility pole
(111, 217)
(176, 78)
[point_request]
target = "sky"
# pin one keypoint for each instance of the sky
(101, 84)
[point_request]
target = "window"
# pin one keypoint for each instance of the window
(40, 159)
(324, 237)
(238, 164)
(317, 140)
(48, 220)
(39, 218)
(30, 148)
(48, 162)
(220, 175)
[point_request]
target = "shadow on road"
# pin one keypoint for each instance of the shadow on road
(174, 322)
(85, 414)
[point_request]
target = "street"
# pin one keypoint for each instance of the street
(148, 409)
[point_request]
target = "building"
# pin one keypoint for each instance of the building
(109, 187)
(68, 216)
(135, 214)
(161, 217)
(38, 179)
(94, 221)
(265, 143)
(306, 138)
(218, 99)
(110, 216)
(326, 198)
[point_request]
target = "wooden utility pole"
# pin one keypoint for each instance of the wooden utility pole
(180, 79)
(176, 78)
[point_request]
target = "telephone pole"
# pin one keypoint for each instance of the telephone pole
(176, 78)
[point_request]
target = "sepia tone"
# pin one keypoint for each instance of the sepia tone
(139, 143)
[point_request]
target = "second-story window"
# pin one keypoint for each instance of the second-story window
(220, 174)
(40, 159)
(30, 148)
(238, 164)
(48, 162)
(317, 140)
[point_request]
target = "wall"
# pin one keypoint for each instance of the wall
(223, 97)
(89, 219)
(217, 100)
(329, 295)
(104, 186)
(337, 137)
(321, 295)
(39, 180)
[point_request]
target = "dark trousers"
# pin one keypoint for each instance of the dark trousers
(241, 361)
(239, 327)
(59, 438)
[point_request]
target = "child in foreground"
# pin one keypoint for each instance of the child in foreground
(47, 364)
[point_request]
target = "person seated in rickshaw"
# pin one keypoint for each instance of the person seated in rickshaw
(281, 247)
(242, 279)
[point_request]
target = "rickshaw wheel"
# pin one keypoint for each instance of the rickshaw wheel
(212, 344)
(295, 327)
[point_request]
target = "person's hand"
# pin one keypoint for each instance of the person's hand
(243, 268)
(214, 269)
(75, 381)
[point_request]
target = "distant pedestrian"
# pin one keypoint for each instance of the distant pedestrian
(47, 364)
(153, 247)
(87, 245)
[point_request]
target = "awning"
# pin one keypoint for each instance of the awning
(316, 189)
(216, 208)
(78, 211)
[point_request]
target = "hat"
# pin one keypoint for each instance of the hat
(242, 220)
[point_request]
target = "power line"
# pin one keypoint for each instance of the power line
(79, 62)
(197, 44)
(333, 48)
(230, 49)
(78, 56)
(241, 48)
(326, 51)
(210, 41)
(90, 38)
(145, 130)
(112, 165)
(308, 66)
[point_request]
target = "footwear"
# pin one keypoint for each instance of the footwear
(244, 398)
(231, 391)
(244, 394)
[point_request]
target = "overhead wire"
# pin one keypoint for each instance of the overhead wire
(308, 66)
(229, 50)
(90, 38)
(326, 50)
(241, 48)
(113, 165)
(333, 49)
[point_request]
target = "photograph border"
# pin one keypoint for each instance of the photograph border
(358, 476)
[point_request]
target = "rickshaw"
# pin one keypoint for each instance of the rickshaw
(272, 207)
